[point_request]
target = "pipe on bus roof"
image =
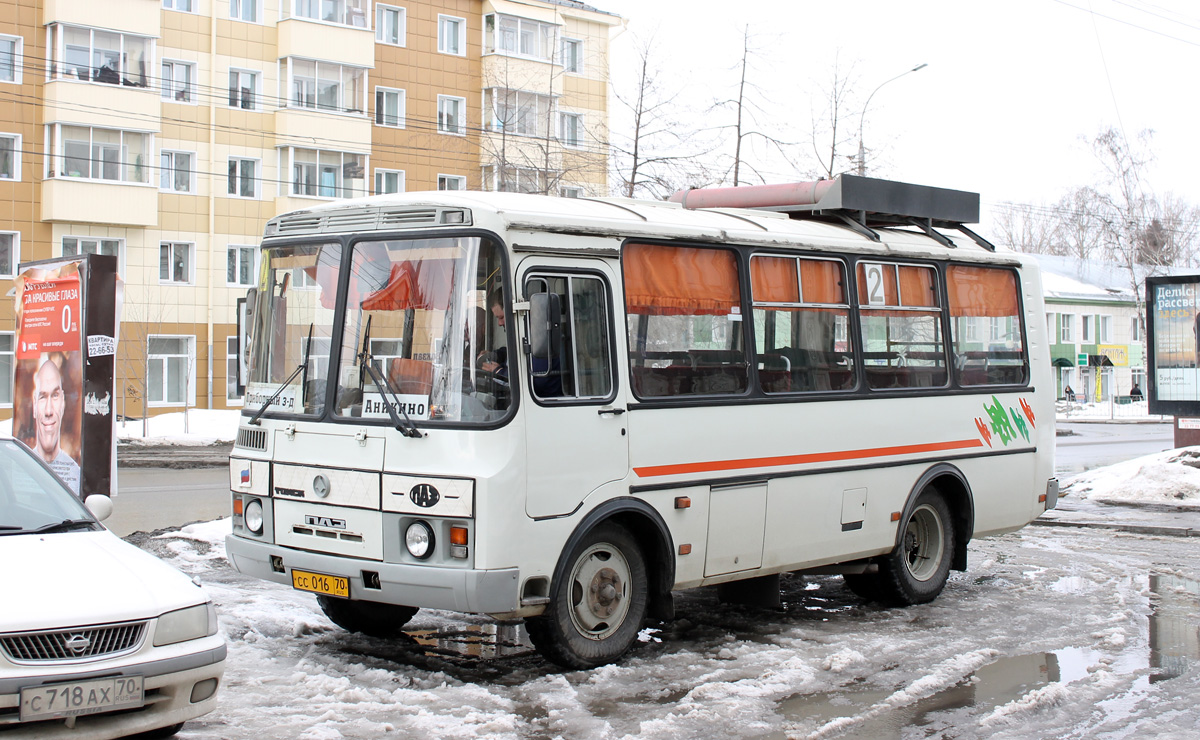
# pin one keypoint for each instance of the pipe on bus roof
(754, 196)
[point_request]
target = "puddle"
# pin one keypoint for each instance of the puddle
(1174, 625)
(482, 641)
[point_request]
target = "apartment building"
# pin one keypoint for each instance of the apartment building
(167, 132)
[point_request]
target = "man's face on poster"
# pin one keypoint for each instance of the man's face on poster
(48, 405)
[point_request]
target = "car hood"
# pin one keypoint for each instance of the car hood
(71, 579)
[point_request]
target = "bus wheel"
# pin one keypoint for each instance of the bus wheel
(596, 611)
(916, 571)
(367, 617)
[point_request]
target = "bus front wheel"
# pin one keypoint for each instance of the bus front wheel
(596, 610)
(367, 617)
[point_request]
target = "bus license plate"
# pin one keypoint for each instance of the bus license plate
(321, 584)
(81, 697)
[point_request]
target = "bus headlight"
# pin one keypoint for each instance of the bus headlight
(254, 516)
(418, 538)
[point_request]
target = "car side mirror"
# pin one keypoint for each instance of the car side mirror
(100, 506)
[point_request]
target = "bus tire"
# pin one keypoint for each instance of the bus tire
(367, 617)
(916, 571)
(865, 585)
(596, 610)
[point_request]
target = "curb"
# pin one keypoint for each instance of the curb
(1129, 528)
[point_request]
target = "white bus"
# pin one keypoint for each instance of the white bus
(562, 410)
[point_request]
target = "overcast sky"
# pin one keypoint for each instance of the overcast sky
(1012, 93)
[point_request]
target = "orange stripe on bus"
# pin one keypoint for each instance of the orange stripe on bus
(816, 457)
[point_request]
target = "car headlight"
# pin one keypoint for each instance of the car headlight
(182, 625)
(418, 538)
(254, 516)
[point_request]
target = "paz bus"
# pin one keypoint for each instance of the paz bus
(563, 410)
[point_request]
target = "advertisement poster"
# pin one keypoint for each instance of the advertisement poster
(65, 368)
(47, 397)
(1173, 325)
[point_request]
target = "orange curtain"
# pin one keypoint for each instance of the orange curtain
(773, 280)
(981, 291)
(916, 286)
(425, 284)
(822, 281)
(680, 281)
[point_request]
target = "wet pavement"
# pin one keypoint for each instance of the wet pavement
(1142, 518)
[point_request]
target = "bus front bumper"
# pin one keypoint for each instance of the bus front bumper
(426, 587)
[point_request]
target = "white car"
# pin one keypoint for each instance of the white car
(98, 639)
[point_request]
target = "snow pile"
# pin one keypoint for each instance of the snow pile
(1171, 477)
(199, 427)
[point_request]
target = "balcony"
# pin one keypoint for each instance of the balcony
(96, 104)
(312, 128)
(131, 16)
(300, 37)
(97, 202)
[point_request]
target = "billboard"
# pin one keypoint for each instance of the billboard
(64, 370)
(1173, 344)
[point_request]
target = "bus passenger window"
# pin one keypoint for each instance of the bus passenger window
(575, 360)
(901, 321)
(985, 321)
(685, 321)
(801, 325)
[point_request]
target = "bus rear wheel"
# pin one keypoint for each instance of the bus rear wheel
(917, 570)
(367, 617)
(596, 610)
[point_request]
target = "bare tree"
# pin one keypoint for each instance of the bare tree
(829, 135)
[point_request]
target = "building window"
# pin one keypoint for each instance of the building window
(389, 25)
(451, 115)
(231, 369)
(1137, 376)
(11, 63)
(108, 57)
(10, 157)
(7, 362)
(452, 35)
(1085, 326)
(169, 377)
(572, 55)
(239, 265)
(178, 81)
(570, 192)
(244, 10)
(515, 179)
(323, 86)
(518, 112)
(389, 107)
(389, 181)
(243, 177)
(99, 153)
(342, 12)
(451, 182)
(571, 129)
(175, 171)
(324, 174)
(513, 36)
(1135, 329)
(243, 89)
(10, 253)
(75, 246)
(187, 6)
(1066, 328)
(175, 262)
(1105, 329)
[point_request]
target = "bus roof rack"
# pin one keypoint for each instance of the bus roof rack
(862, 203)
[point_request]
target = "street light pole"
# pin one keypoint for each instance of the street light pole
(862, 154)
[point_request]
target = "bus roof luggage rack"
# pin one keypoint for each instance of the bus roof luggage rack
(862, 203)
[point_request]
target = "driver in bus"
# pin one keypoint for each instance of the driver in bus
(545, 385)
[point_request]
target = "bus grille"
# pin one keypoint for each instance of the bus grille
(365, 219)
(81, 644)
(252, 439)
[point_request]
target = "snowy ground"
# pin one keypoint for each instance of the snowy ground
(1171, 478)
(1106, 411)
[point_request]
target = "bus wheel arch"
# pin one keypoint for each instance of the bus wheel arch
(622, 539)
(950, 482)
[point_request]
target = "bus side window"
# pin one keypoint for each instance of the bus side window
(901, 321)
(985, 321)
(572, 359)
(801, 321)
(685, 321)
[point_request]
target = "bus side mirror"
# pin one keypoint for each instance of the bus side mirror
(545, 325)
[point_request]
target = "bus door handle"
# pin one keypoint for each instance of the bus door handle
(611, 410)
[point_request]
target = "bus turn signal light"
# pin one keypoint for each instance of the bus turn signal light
(685, 549)
(683, 502)
(895, 516)
(458, 535)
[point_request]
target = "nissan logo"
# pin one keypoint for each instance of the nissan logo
(78, 644)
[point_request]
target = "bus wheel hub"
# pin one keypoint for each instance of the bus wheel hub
(604, 593)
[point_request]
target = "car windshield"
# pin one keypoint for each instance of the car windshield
(429, 315)
(31, 497)
(291, 327)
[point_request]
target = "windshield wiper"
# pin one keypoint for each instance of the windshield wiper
(62, 526)
(406, 427)
(301, 368)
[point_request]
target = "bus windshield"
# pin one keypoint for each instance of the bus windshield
(291, 328)
(421, 312)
